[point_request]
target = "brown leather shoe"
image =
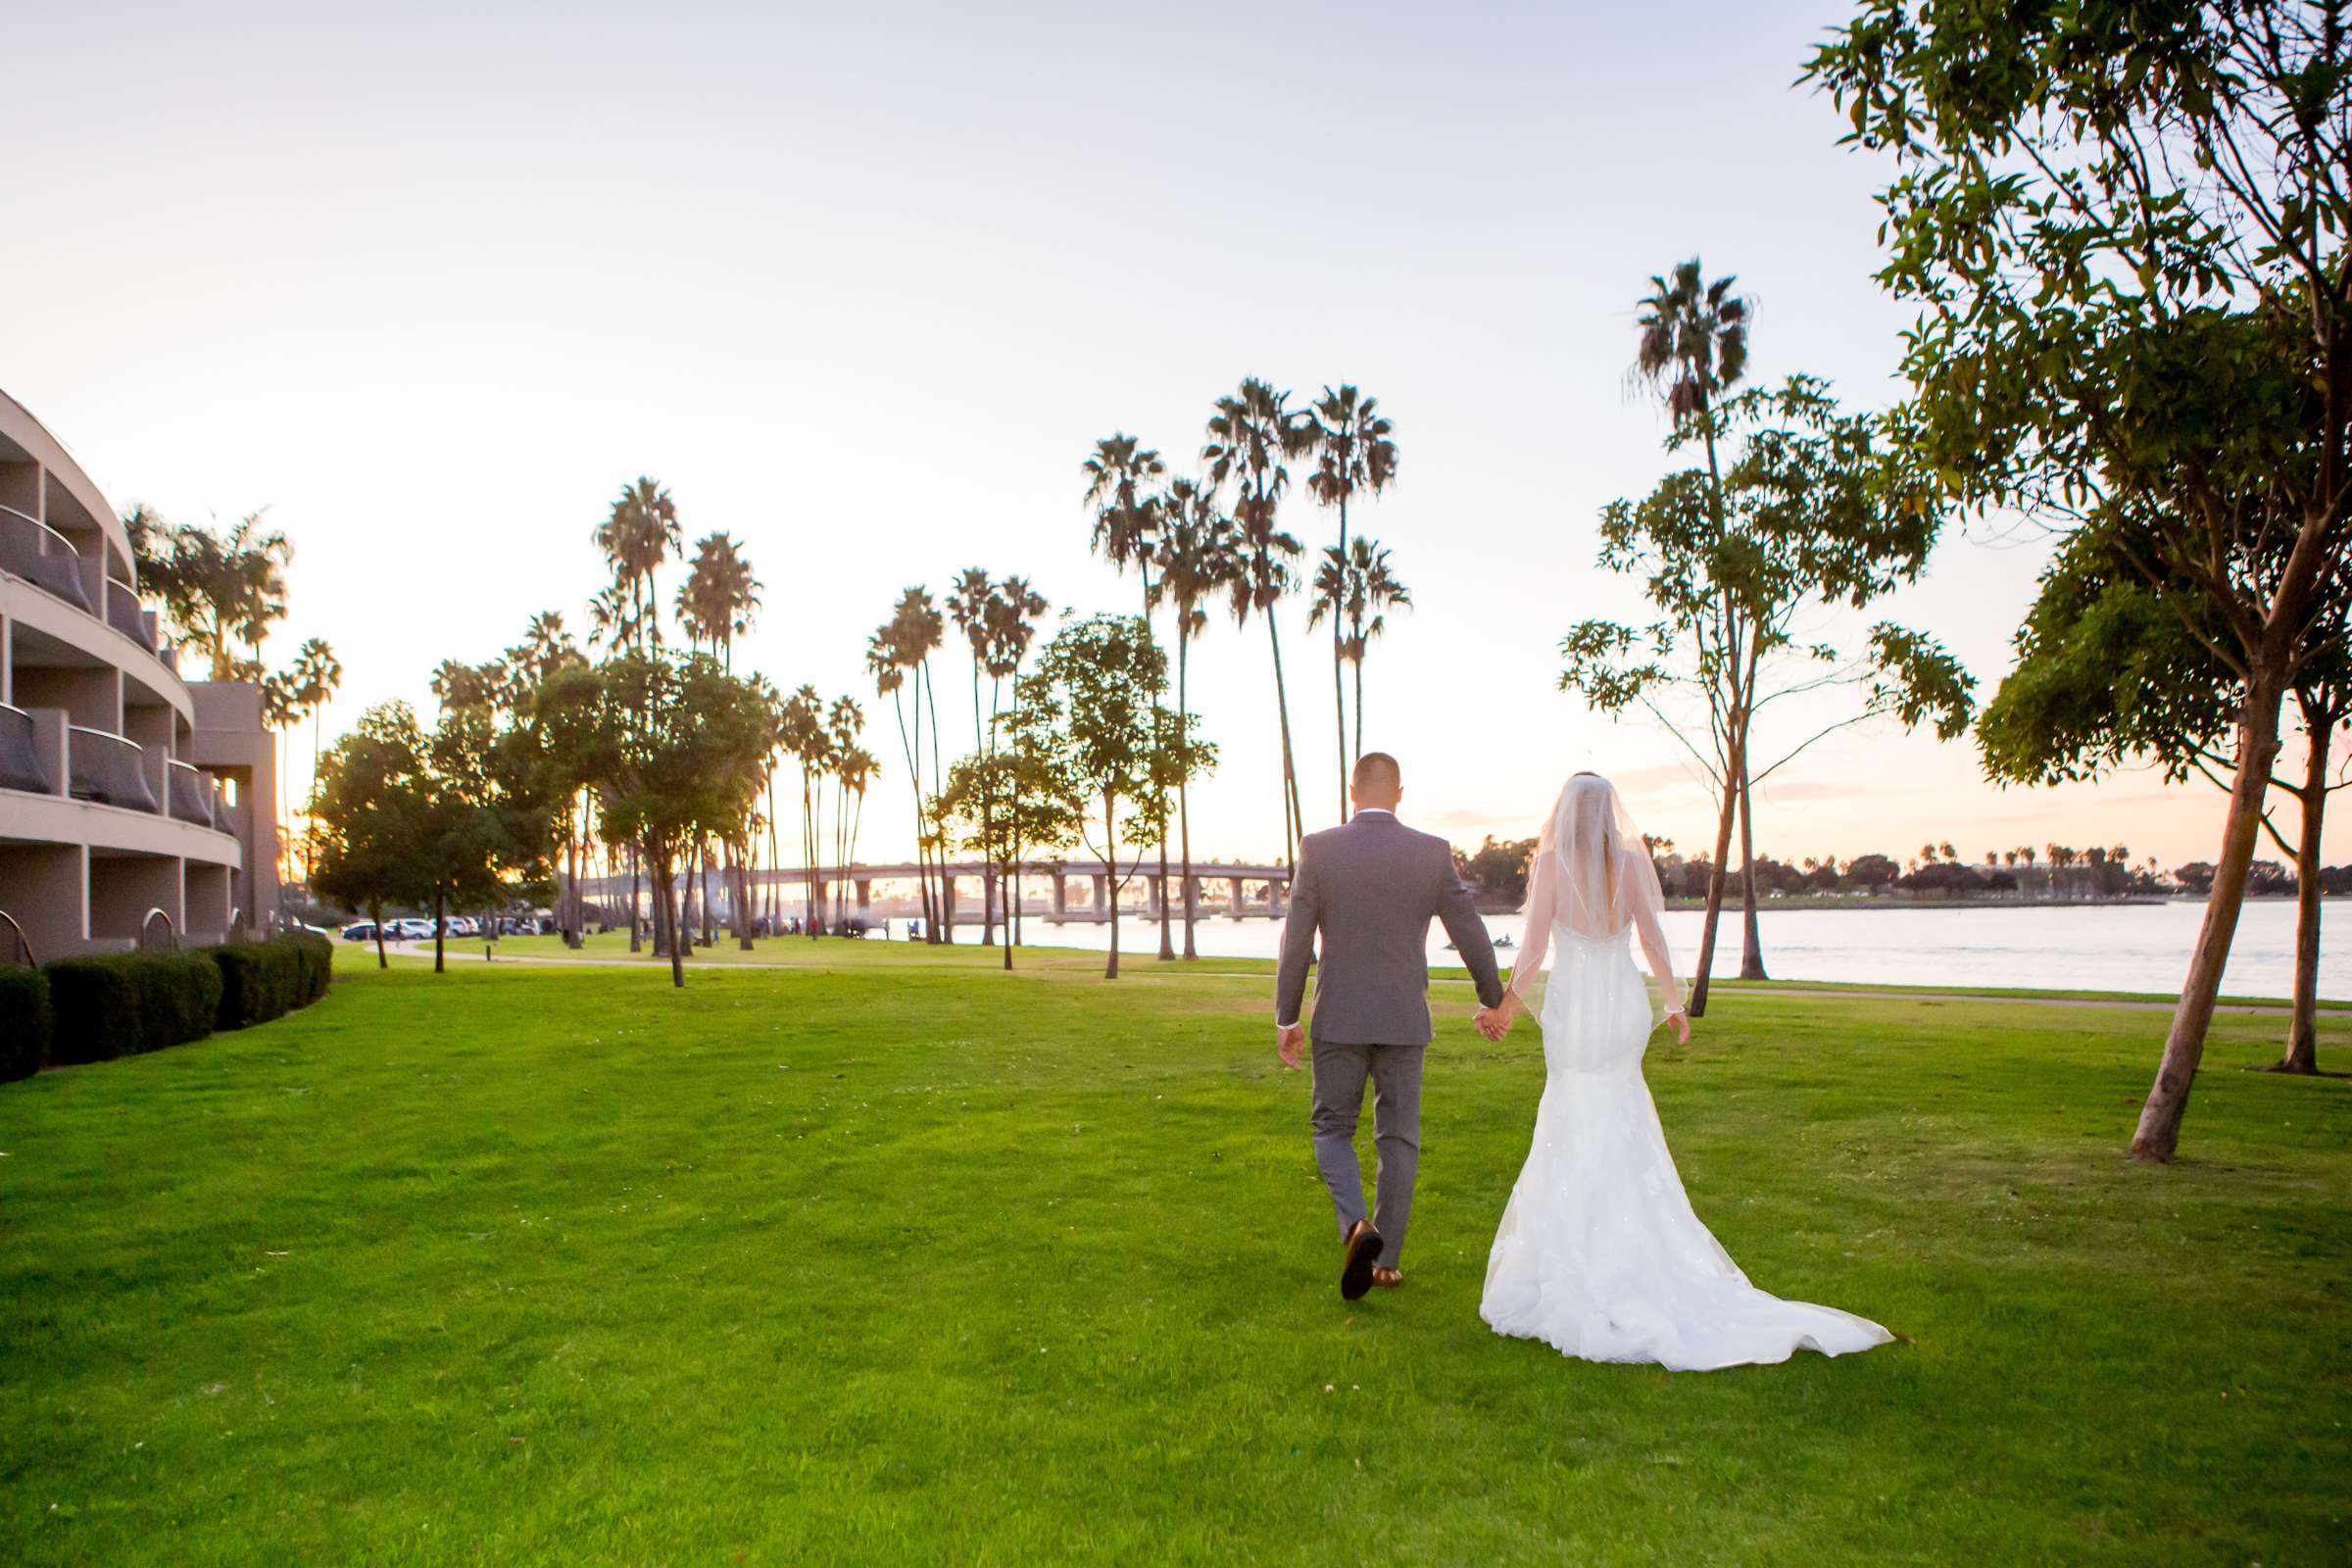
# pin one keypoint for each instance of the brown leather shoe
(1388, 1279)
(1355, 1275)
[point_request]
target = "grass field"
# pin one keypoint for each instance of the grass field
(884, 1257)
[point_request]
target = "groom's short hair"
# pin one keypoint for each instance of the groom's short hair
(1378, 773)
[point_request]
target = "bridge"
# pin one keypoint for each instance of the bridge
(1248, 890)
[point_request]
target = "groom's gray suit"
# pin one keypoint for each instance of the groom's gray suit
(1371, 888)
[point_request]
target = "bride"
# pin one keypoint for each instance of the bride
(1600, 1254)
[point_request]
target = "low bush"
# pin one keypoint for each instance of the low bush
(265, 980)
(25, 1026)
(124, 1004)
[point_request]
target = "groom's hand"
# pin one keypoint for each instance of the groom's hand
(1492, 1023)
(1289, 1039)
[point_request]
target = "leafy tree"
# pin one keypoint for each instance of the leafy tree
(1120, 481)
(1016, 799)
(1813, 515)
(316, 674)
(1499, 865)
(368, 802)
(1354, 451)
(2126, 227)
(2106, 674)
(1872, 871)
(218, 590)
(1093, 711)
(674, 747)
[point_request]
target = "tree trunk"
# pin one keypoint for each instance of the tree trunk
(440, 903)
(635, 943)
(1715, 879)
(375, 914)
(1751, 942)
(1110, 881)
(1338, 697)
(2158, 1135)
(2303, 1030)
(1360, 650)
(1294, 826)
(1184, 802)
(945, 932)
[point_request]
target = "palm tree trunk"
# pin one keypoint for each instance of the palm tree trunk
(1361, 648)
(636, 943)
(946, 926)
(1167, 936)
(1184, 803)
(2157, 1134)
(2303, 1030)
(1294, 826)
(1339, 696)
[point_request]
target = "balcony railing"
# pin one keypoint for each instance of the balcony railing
(39, 554)
(123, 613)
(107, 769)
(19, 755)
(192, 795)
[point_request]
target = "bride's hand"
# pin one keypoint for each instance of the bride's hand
(1680, 1022)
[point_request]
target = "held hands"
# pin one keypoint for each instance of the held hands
(1496, 1022)
(1289, 1039)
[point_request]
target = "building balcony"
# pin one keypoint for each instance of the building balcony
(20, 753)
(110, 769)
(40, 554)
(123, 613)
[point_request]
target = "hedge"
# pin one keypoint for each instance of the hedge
(265, 980)
(95, 1009)
(24, 1024)
(137, 1001)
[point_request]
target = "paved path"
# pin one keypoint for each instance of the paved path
(464, 949)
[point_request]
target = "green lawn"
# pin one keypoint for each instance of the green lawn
(885, 1257)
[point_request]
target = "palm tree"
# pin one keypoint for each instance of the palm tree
(801, 732)
(281, 710)
(1251, 435)
(1012, 619)
(719, 597)
(1692, 346)
(971, 605)
(1375, 589)
(715, 604)
(639, 533)
(1199, 556)
(845, 722)
(856, 768)
(1354, 451)
(316, 676)
(1126, 523)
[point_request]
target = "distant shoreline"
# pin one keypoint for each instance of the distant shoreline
(1832, 900)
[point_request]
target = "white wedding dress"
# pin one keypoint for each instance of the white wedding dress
(1600, 1254)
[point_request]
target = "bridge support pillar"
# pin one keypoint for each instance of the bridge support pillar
(1061, 894)
(1156, 897)
(1239, 908)
(866, 894)
(1102, 895)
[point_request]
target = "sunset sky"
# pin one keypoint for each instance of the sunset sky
(862, 284)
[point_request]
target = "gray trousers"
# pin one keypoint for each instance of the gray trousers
(1338, 1099)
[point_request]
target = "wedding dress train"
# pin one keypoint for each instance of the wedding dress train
(1599, 1253)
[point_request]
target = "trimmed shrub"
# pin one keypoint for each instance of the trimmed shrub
(265, 980)
(119, 1006)
(25, 1024)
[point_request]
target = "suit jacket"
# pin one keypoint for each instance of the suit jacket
(1371, 888)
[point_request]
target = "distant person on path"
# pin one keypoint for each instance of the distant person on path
(1369, 889)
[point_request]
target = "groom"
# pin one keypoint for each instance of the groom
(1370, 889)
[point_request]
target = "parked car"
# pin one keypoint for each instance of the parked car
(411, 928)
(461, 926)
(365, 931)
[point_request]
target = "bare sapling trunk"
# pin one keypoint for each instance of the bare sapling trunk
(1751, 941)
(2303, 1029)
(2159, 1130)
(1110, 882)
(1715, 879)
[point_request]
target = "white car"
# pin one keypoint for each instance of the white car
(461, 926)
(409, 928)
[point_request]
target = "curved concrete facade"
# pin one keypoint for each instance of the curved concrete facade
(123, 789)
